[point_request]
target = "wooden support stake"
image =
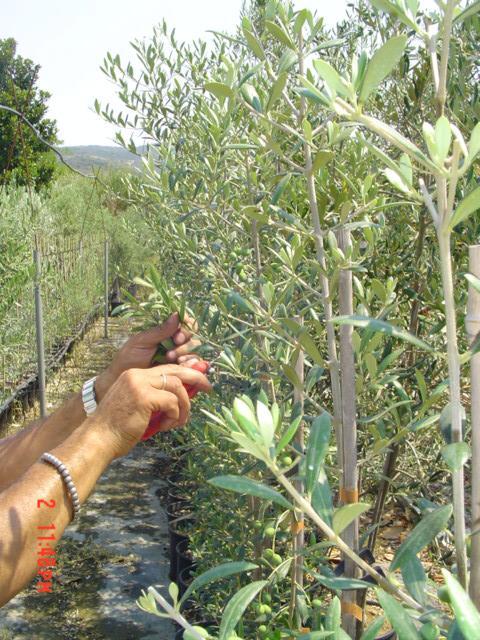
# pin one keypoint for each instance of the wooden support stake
(349, 486)
(472, 324)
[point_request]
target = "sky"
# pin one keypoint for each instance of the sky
(70, 39)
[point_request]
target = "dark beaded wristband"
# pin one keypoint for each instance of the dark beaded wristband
(67, 479)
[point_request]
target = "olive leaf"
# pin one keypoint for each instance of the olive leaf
(217, 573)
(219, 90)
(425, 531)
(467, 206)
(374, 325)
(398, 617)
(317, 449)
(236, 607)
(380, 66)
(240, 484)
(466, 614)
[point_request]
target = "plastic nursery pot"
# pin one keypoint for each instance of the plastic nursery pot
(177, 509)
(180, 484)
(185, 558)
(176, 496)
(177, 534)
(184, 578)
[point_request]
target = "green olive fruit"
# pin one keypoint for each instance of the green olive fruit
(443, 594)
(267, 598)
(268, 553)
(262, 629)
(317, 603)
(257, 525)
(199, 630)
(429, 631)
(276, 559)
(269, 532)
(287, 461)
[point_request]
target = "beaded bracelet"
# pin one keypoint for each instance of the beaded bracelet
(66, 477)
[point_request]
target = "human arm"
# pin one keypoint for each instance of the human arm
(19, 451)
(111, 432)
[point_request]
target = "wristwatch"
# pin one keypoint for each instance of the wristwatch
(88, 396)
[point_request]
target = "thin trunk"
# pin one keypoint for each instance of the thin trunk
(298, 532)
(349, 486)
(472, 323)
(455, 401)
(334, 367)
(265, 380)
(445, 206)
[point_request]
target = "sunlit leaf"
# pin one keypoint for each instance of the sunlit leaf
(240, 484)
(219, 90)
(317, 449)
(398, 617)
(236, 607)
(373, 324)
(381, 65)
(467, 206)
(466, 614)
(345, 515)
(217, 573)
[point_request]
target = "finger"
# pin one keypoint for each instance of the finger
(182, 350)
(152, 337)
(188, 328)
(181, 337)
(164, 402)
(188, 360)
(188, 376)
(183, 403)
(174, 385)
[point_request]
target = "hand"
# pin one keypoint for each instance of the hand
(123, 414)
(138, 351)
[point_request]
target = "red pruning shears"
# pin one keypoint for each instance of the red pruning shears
(157, 417)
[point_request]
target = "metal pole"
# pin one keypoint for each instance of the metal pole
(39, 333)
(106, 301)
(472, 325)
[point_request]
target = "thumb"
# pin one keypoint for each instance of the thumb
(155, 335)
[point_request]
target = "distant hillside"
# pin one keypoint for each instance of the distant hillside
(85, 157)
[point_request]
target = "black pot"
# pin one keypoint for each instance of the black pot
(184, 578)
(177, 484)
(174, 495)
(185, 559)
(176, 509)
(176, 536)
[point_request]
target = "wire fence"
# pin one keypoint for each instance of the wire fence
(69, 279)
